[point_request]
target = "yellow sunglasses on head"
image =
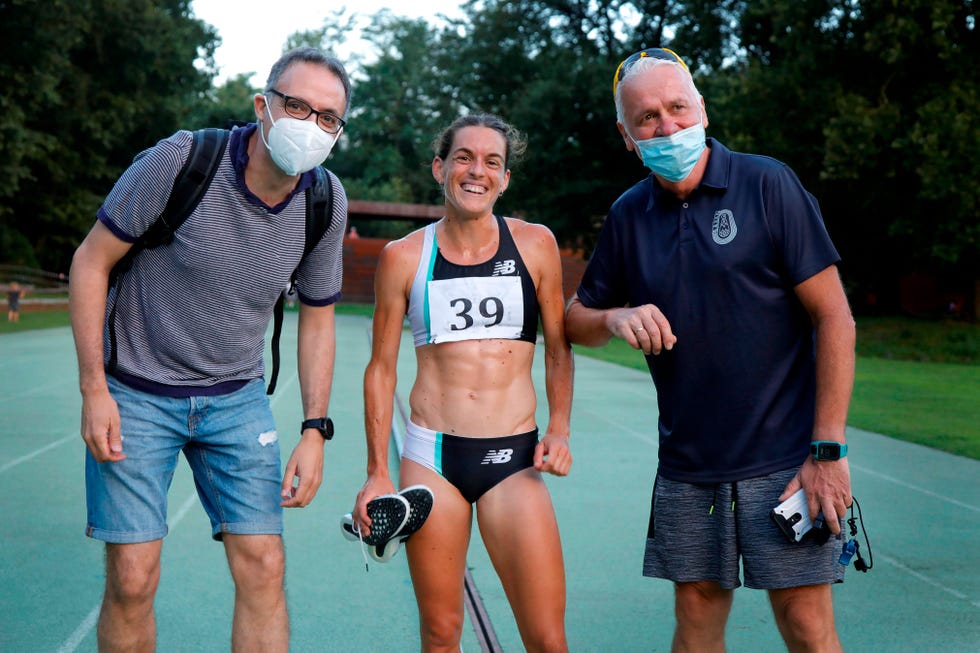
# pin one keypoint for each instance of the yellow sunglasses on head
(656, 53)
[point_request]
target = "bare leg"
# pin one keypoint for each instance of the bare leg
(520, 531)
(437, 560)
(701, 610)
(258, 566)
(805, 617)
(127, 622)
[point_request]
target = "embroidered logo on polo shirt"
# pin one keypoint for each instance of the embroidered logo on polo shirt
(723, 228)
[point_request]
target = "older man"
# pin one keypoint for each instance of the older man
(718, 267)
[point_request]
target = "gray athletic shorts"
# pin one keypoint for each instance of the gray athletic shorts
(699, 532)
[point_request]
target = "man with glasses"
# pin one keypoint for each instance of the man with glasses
(718, 267)
(189, 322)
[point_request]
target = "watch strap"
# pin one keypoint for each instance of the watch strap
(322, 424)
(827, 450)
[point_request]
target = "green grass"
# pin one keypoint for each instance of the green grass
(935, 404)
(916, 380)
(34, 320)
(364, 310)
(894, 338)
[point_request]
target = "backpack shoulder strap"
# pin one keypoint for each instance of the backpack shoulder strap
(192, 181)
(319, 216)
(190, 184)
(319, 209)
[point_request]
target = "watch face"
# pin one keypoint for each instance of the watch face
(828, 451)
(323, 424)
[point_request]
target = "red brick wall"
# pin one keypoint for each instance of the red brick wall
(360, 261)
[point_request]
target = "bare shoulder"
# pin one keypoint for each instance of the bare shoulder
(403, 250)
(397, 264)
(531, 236)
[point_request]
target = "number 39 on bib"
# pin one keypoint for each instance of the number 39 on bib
(472, 308)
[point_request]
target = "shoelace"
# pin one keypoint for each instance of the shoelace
(357, 529)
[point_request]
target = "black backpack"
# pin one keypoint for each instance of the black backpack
(191, 183)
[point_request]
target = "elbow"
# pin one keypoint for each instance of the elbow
(573, 322)
(78, 263)
(81, 273)
(851, 331)
(840, 328)
(573, 335)
(846, 325)
(379, 376)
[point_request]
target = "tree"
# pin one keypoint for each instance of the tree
(87, 83)
(226, 104)
(400, 100)
(874, 103)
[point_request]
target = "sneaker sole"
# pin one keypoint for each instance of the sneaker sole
(420, 500)
(388, 514)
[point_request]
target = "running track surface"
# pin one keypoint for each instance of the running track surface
(921, 507)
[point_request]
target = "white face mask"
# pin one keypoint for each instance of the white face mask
(297, 145)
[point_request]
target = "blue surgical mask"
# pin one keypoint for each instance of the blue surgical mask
(673, 157)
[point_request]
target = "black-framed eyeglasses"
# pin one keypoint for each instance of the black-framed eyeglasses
(656, 53)
(296, 108)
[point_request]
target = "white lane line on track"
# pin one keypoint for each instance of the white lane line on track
(49, 389)
(84, 628)
(929, 581)
(620, 426)
(37, 452)
(89, 622)
(916, 488)
(920, 576)
(51, 445)
(864, 470)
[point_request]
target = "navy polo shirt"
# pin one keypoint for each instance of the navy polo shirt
(736, 394)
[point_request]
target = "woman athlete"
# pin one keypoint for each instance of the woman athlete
(473, 286)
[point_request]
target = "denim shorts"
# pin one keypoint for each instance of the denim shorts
(702, 532)
(230, 442)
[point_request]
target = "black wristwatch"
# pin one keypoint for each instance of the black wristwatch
(827, 450)
(322, 424)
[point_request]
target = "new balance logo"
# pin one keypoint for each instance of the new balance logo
(497, 456)
(504, 267)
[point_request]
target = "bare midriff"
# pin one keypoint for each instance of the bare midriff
(475, 388)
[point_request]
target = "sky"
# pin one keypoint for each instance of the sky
(253, 32)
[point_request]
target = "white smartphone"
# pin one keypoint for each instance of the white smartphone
(793, 517)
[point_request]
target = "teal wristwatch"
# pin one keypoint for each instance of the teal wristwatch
(827, 450)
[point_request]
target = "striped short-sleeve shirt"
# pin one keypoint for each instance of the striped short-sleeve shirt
(191, 316)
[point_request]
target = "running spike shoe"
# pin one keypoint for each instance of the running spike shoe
(420, 499)
(388, 514)
(378, 552)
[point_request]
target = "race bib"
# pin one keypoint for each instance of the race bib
(473, 308)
